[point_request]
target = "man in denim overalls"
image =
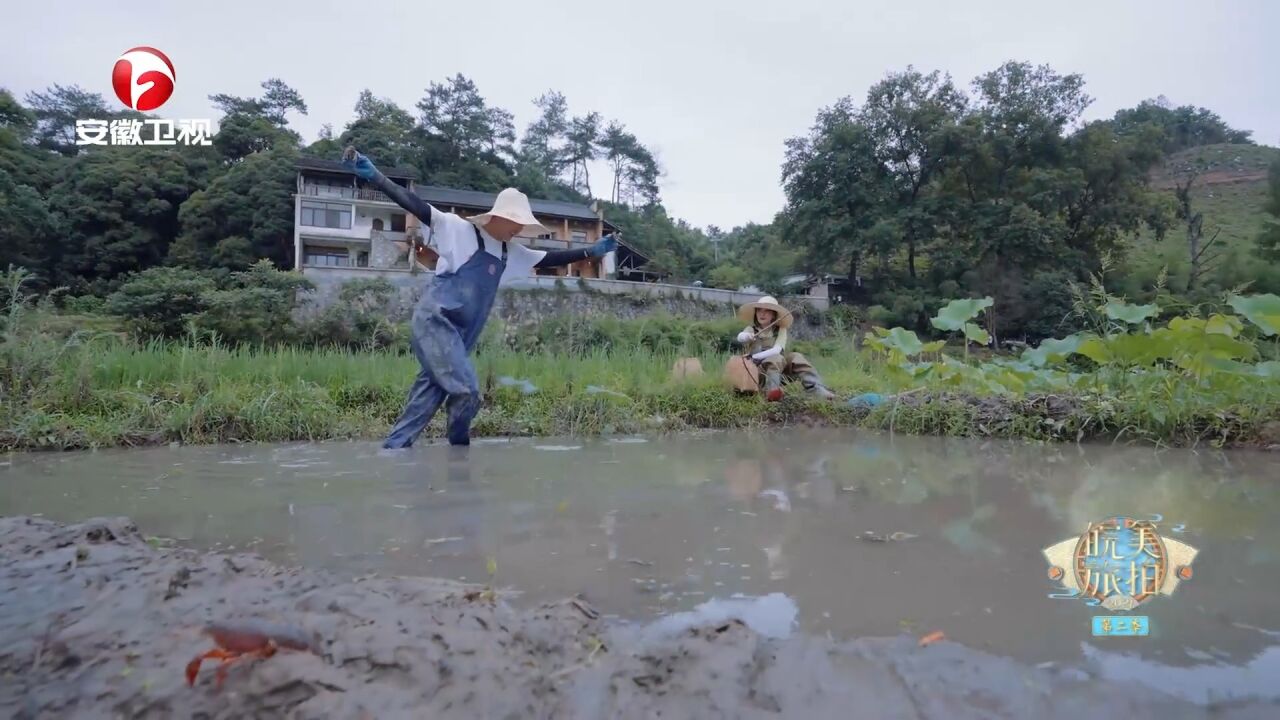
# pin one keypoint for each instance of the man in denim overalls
(476, 255)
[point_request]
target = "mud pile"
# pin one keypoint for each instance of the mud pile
(96, 622)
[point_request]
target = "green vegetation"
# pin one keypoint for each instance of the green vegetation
(1191, 378)
(71, 382)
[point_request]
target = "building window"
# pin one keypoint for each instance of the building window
(327, 257)
(397, 222)
(329, 186)
(327, 215)
(579, 237)
(362, 259)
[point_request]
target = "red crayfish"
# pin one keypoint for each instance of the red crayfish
(246, 639)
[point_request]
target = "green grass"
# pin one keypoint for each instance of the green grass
(110, 391)
(77, 382)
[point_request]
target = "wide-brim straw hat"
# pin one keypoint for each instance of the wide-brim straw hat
(513, 205)
(747, 313)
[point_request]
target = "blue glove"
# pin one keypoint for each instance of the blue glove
(604, 246)
(359, 164)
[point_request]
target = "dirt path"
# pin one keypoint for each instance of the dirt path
(95, 622)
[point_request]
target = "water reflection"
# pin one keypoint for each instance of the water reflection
(661, 527)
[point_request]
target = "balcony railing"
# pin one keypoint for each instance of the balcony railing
(387, 235)
(553, 243)
(350, 193)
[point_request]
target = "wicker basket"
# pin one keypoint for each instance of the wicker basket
(742, 374)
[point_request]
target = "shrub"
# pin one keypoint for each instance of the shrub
(358, 319)
(844, 318)
(880, 315)
(84, 304)
(661, 334)
(254, 305)
(728, 277)
(257, 307)
(160, 301)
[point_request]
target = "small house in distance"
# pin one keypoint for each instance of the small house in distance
(835, 288)
(632, 266)
(343, 222)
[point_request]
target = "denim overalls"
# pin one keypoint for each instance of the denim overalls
(446, 325)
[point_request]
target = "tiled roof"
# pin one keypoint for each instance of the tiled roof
(311, 163)
(476, 200)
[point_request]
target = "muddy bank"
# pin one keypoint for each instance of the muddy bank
(96, 622)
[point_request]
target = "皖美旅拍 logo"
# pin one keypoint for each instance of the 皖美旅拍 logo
(1119, 564)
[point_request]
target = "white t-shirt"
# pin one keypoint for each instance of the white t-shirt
(454, 239)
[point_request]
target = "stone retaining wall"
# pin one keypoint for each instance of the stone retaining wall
(541, 297)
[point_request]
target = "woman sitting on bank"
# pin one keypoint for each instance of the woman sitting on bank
(765, 340)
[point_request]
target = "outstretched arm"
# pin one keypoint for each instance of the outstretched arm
(364, 168)
(559, 258)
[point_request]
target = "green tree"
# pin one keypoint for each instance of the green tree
(254, 125)
(635, 170)
(240, 136)
(1180, 127)
(14, 116)
(26, 225)
(244, 215)
(581, 147)
(463, 142)
(455, 110)
(382, 130)
(56, 111)
(1268, 247)
(277, 101)
(326, 145)
(542, 147)
(909, 117)
(836, 192)
(1024, 195)
(118, 211)
(729, 277)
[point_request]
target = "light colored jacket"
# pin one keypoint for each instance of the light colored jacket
(763, 344)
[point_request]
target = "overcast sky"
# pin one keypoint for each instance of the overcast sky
(713, 88)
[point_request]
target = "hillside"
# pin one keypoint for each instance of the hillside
(1230, 186)
(1230, 189)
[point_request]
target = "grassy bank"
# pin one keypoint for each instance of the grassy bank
(109, 391)
(78, 382)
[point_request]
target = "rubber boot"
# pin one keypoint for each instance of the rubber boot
(813, 384)
(772, 385)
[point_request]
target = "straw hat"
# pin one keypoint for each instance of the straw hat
(747, 313)
(512, 205)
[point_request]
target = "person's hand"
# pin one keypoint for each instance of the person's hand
(606, 245)
(746, 336)
(359, 164)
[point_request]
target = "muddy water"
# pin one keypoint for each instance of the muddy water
(647, 528)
